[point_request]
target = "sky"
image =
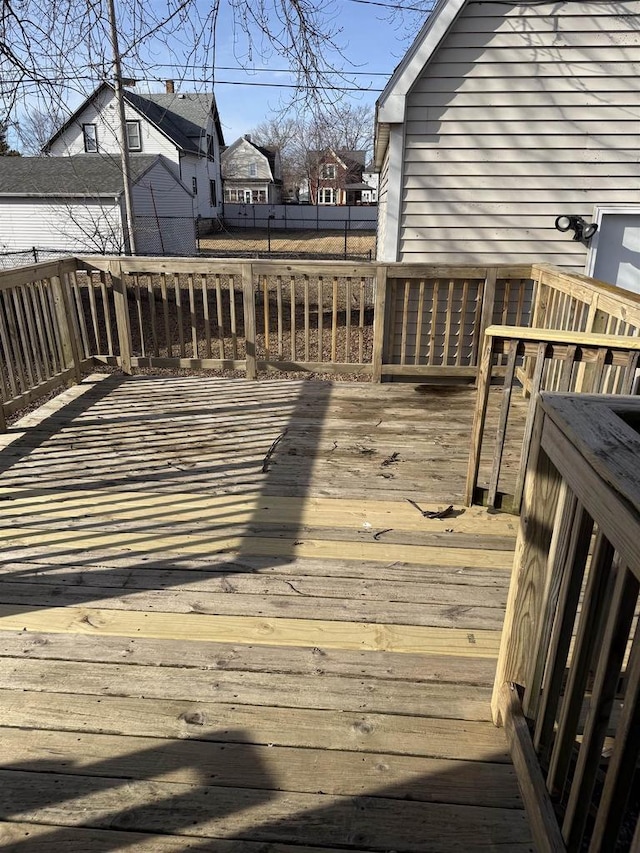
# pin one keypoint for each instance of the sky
(371, 44)
(249, 88)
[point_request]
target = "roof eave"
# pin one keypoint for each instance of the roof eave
(392, 102)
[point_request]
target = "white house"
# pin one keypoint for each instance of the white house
(184, 128)
(251, 174)
(503, 117)
(75, 204)
(372, 179)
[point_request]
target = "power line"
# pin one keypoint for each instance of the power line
(395, 6)
(307, 87)
(264, 70)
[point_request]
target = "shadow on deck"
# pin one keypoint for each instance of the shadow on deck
(224, 626)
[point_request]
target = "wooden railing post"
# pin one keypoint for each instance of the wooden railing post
(380, 329)
(596, 323)
(479, 417)
(123, 322)
(529, 575)
(249, 307)
(68, 341)
(488, 303)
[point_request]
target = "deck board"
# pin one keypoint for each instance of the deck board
(209, 641)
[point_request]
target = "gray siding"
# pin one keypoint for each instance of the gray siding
(383, 193)
(523, 113)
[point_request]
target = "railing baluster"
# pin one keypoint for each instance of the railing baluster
(232, 309)
(347, 322)
(419, 321)
(595, 603)
(193, 317)
(205, 313)
(610, 660)
(280, 309)
(219, 315)
(502, 423)
(294, 350)
(151, 301)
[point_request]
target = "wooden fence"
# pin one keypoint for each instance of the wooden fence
(570, 646)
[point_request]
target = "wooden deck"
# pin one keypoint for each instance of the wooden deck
(224, 627)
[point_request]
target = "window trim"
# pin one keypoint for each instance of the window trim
(194, 185)
(213, 193)
(136, 123)
(87, 138)
(324, 173)
(321, 195)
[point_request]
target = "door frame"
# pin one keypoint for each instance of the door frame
(599, 212)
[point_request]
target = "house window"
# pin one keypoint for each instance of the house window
(134, 137)
(213, 194)
(328, 171)
(258, 197)
(194, 186)
(253, 170)
(210, 151)
(326, 195)
(90, 135)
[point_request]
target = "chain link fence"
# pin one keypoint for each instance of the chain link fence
(26, 257)
(344, 240)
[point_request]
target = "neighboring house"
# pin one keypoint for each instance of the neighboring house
(335, 177)
(184, 128)
(371, 179)
(251, 174)
(499, 119)
(75, 204)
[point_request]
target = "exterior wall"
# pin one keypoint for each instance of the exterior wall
(61, 225)
(383, 191)
(236, 171)
(523, 114)
(103, 113)
(203, 170)
(164, 214)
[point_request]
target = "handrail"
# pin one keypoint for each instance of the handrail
(557, 358)
(569, 639)
(384, 320)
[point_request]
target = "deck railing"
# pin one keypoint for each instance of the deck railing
(369, 319)
(570, 641)
(560, 361)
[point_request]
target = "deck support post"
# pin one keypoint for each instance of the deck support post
(68, 340)
(529, 575)
(122, 314)
(249, 308)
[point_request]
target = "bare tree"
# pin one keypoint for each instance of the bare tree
(36, 126)
(53, 49)
(301, 137)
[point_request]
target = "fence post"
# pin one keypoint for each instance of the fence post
(122, 314)
(69, 343)
(345, 239)
(35, 254)
(249, 307)
(379, 324)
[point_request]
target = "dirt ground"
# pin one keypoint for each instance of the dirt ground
(307, 244)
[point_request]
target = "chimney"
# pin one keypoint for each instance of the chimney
(247, 136)
(170, 88)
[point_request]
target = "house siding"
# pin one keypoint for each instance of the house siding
(102, 112)
(164, 214)
(60, 225)
(524, 113)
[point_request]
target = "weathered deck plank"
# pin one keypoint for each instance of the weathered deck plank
(213, 647)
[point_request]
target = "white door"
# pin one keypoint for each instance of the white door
(615, 249)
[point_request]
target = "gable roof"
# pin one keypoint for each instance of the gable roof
(180, 117)
(82, 176)
(269, 154)
(390, 106)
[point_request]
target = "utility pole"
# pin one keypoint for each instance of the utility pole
(122, 130)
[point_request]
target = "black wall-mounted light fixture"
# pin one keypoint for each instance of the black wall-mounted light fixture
(583, 231)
